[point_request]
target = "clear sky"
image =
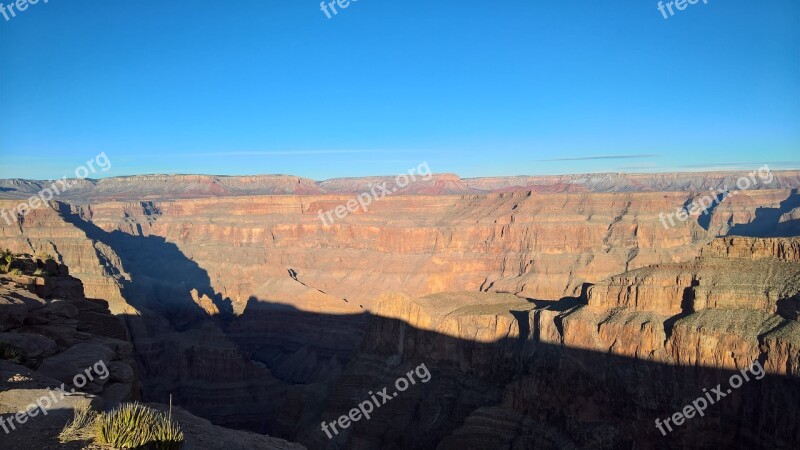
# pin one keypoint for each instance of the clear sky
(477, 88)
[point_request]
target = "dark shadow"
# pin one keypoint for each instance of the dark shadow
(514, 393)
(565, 303)
(161, 276)
(767, 221)
(686, 309)
(282, 371)
(789, 308)
(704, 219)
(273, 333)
(291, 370)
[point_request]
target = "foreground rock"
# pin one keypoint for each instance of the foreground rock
(58, 335)
(61, 334)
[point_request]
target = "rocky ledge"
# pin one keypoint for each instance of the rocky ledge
(50, 334)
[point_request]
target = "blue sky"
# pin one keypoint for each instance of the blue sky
(472, 87)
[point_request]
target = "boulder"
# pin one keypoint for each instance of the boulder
(119, 371)
(32, 345)
(75, 361)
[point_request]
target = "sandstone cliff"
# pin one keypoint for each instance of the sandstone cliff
(257, 315)
(596, 375)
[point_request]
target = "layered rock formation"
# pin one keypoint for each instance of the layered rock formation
(166, 187)
(539, 246)
(515, 373)
(255, 314)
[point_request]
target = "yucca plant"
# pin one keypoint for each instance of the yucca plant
(134, 426)
(167, 434)
(10, 353)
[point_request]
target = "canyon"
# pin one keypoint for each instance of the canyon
(553, 312)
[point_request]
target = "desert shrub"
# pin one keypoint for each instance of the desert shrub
(16, 272)
(45, 256)
(40, 273)
(83, 418)
(7, 257)
(133, 425)
(168, 434)
(10, 353)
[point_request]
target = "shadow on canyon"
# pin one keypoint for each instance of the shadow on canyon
(704, 220)
(282, 371)
(767, 222)
(522, 393)
(161, 276)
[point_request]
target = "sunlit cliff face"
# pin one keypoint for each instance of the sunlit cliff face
(255, 314)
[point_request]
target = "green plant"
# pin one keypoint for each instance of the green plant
(80, 425)
(45, 256)
(133, 425)
(8, 257)
(10, 353)
(39, 273)
(15, 272)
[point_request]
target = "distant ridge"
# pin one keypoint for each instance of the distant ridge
(166, 187)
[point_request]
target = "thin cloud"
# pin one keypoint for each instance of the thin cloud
(588, 158)
(282, 153)
(740, 164)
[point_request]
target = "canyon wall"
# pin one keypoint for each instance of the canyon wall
(511, 373)
(537, 246)
(257, 315)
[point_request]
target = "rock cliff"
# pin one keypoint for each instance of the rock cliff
(256, 315)
(511, 372)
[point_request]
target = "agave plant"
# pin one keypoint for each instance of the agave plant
(133, 425)
(10, 353)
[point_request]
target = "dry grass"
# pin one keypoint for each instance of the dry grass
(81, 425)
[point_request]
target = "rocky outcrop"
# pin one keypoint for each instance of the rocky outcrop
(781, 249)
(63, 340)
(60, 333)
(20, 387)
